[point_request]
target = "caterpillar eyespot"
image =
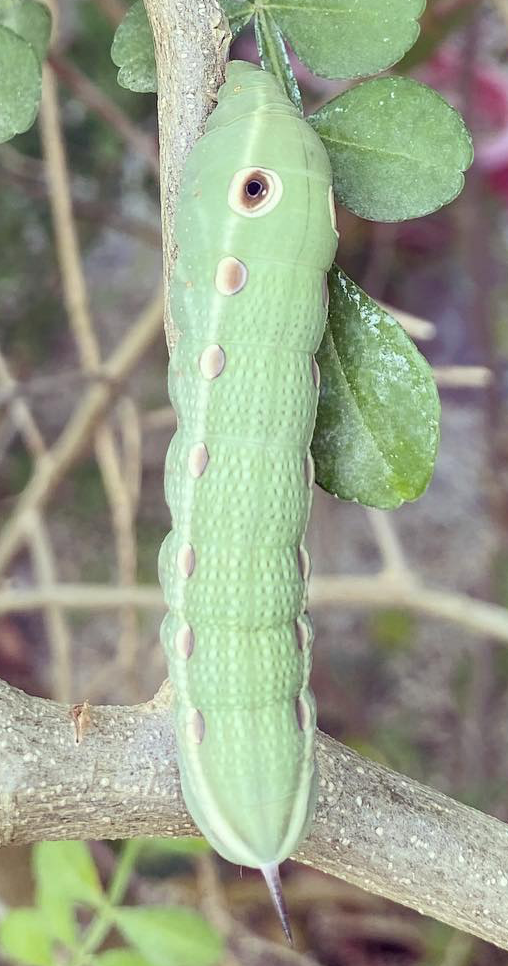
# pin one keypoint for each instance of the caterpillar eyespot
(254, 191)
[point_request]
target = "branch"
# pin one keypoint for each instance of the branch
(191, 43)
(378, 590)
(111, 772)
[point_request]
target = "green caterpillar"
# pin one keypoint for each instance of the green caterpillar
(256, 234)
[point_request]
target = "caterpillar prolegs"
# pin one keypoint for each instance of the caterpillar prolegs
(256, 235)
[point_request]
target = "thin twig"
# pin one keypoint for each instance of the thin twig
(463, 377)
(475, 616)
(130, 429)
(20, 414)
(415, 327)
(59, 637)
(163, 418)
(52, 467)
(95, 99)
(78, 310)
(502, 8)
(17, 169)
(395, 563)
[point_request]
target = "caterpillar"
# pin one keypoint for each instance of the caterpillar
(256, 235)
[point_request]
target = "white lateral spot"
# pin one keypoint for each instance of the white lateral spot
(186, 559)
(198, 459)
(303, 713)
(333, 213)
(309, 471)
(184, 641)
(212, 361)
(231, 275)
(316, 375)
(302, 632)
(304, 563)
(195, 726)
(326, 294)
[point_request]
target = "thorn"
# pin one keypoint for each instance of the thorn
(272, 879)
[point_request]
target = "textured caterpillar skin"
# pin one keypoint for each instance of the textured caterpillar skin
(233, 569)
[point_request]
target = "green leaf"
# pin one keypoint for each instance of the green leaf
(121, 957)
(30, 20)
(238, 12)
(20, 84)
(58, 917)
(347, 38)
(133, 52)
(377, 427)
(274, 56)
(170, 937)
(23, 937)
(397, 149)
(65, 872)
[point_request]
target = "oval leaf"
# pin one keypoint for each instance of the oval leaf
(397, 149)
(30, 20)
(377, 427)
(133, 52)
(23, 937)
(274, 56)
(20, 84)
(348, 38)
(65, 871)
(238, 12)
(170, 937)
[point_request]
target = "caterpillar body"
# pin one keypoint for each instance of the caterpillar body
(256, 235)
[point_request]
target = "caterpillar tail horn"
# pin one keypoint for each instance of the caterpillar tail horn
(272, 879)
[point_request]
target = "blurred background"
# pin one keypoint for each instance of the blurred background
(425, 695)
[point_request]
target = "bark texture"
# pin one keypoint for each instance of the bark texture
(111, 772)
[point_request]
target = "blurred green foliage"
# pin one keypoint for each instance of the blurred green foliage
(68, 884)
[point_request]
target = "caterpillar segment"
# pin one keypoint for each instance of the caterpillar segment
(249, 298)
